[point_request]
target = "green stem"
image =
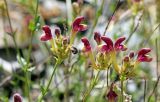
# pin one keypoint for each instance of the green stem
(18, 52)
(50, 80)
(91, 86)
(121, 90)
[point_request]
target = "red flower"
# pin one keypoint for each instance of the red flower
(97, 37)
(109, 43)
(17, 97)
(142, 55)
(77, 26)
(57, 32)
(118, 46)
(126, 59)
(47, 33)
(131, 54)
(112, 96)
(87, 46)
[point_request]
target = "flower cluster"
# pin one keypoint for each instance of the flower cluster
(131, 61)
(107, 54)
(62, 45)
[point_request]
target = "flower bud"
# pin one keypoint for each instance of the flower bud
(112, 96)
(126, 59)
(97, 37)
(17, 97)
(57, 32)
(131, 54)
(87, 46)
(65, 40)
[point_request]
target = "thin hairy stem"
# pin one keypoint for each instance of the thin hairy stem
(91, 86)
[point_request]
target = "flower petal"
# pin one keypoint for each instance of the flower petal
(47, 33)
(112, 96)
(47, 30)
(87, 46)
(97, 37)
(131, 54)
(57, 32)
(142, 55)
(118, 44)
(76, 26)
(108, 41)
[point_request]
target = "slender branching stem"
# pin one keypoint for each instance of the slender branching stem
(40, 98)
(91, 86)
(121, 90)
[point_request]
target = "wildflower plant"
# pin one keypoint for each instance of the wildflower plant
(61, 46)
(106, 56)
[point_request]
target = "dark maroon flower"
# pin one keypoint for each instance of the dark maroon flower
(104, 48)
(126, 59)
(87, 46)
(17, 97)
(131, 54)
(77, 26)
(118, 44)
(65, 40)
(142, 55)
(109, 42)
(97, 37)
(57, 32)
(112, 96)
(47, 33)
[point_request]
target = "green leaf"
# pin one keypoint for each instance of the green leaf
(32, 26)
(31, 69)
(21, 61)
(42, 89)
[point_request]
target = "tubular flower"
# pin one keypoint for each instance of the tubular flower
(97, 37)
(129, 64)
(17, 97)
(57, 32)
(87, 49)
(60, 44)
(142, 55)
(118, 44)
(77, 26)
(109, 43)
(112, 96)
(47, 33)
(87, 46)
(131, 54)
